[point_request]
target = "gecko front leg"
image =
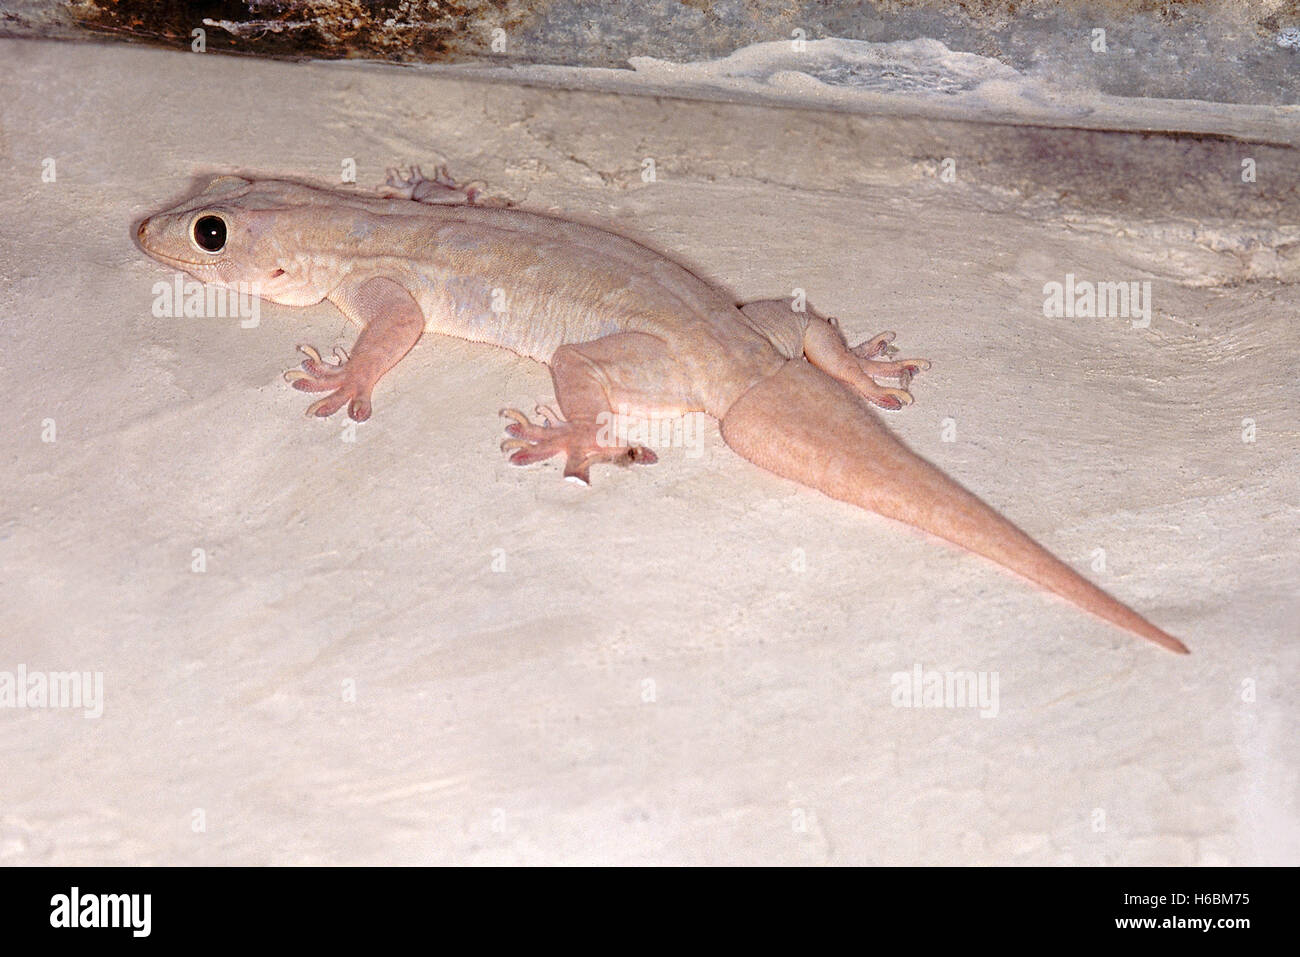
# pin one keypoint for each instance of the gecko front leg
(391, 323)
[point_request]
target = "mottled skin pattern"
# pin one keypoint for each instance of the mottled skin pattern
(620, 326)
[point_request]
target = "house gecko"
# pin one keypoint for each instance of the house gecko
(621, 327)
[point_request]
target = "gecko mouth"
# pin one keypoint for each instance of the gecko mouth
(166, 257)
(172, 259)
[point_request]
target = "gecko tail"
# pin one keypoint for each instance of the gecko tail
(804, 425)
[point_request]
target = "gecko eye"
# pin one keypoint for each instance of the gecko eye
(210, 233)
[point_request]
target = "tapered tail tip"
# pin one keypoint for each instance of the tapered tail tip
(1172, 643)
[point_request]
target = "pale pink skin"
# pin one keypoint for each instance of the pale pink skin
(620, 326)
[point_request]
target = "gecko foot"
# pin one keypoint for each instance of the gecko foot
(576, 441)
(343, 383)
(441, 190)
(868, 355)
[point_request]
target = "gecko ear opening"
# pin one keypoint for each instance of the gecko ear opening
(225, 184)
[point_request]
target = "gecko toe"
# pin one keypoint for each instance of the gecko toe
(319, 368)
(549, 415)
(529, 442)
(324, 408)
(876, 346)
(530, 455)
(309, 383)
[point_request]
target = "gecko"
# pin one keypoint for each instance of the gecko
(620, 325)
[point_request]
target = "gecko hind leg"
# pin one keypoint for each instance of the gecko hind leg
(860, 366)
(441, 190)
(630, 372)
(869, 354)
(808, 333)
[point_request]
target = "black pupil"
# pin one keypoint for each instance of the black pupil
(210, 233)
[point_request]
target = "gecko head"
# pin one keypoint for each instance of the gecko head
(240, 234)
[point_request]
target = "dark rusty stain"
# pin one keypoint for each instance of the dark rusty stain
(399, 30)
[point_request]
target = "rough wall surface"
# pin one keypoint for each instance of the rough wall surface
(1238, 51)
(402, 649)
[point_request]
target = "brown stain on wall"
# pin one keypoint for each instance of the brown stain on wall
(332, 29)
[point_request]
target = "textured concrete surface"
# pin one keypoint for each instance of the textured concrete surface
(1236, 51)
(399, 649)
